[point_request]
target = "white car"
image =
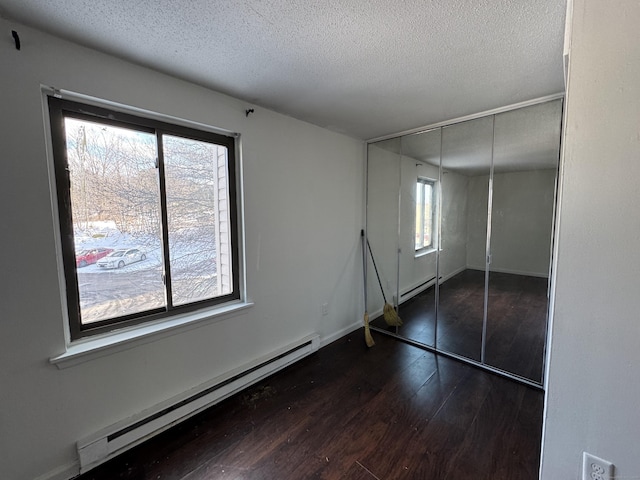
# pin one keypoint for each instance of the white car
(120, 258)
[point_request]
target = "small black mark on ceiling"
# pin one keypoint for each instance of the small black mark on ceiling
(16, 38)
(248, 111)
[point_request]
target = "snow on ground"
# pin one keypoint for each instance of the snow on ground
(186, 255)
(149, 245)
(112, 292)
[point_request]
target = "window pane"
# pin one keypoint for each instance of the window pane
(196, 185)
(428, 214)
(116, 219)
(419, 206)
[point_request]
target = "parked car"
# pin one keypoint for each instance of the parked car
(90, 256)
(120, 258)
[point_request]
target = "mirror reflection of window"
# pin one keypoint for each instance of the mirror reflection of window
(425, 218)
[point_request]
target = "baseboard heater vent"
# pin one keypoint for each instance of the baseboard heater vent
(418, 289)
(108, 442)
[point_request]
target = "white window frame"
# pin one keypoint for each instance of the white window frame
(421, 183)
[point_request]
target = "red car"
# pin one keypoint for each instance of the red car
(87, 257)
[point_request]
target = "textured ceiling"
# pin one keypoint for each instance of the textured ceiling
(363, 68)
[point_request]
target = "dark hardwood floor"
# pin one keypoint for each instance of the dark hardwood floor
(516, 325)
(393, 411)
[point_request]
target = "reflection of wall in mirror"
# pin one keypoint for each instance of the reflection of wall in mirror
(453, 253)
(522, 222)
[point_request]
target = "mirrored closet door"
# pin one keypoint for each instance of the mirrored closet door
(466, 168)
(419, 235)
(525, 166)
(459, 224)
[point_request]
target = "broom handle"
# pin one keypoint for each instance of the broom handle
(376, 269)
(364, 269)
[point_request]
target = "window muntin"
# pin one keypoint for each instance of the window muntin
(160, 197)
(425, 214)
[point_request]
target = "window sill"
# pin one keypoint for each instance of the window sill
(86, 349)
(422, 253)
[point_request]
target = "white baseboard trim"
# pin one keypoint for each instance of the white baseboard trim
(512, 272)
(342, 332)
(476, 267)
(452, 274)
(373, 315)
(519, 272)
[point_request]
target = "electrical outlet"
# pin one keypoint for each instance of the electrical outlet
(324, 308)
(594, 468)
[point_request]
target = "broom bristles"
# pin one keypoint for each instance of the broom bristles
(367, 333)
(391, 316)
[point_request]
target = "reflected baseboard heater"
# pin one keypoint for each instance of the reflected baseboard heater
(109, 442)
(412, 292)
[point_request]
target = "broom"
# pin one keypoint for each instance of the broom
(389, 313)
(367, 332)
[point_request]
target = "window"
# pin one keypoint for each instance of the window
(425, 214)
(148, 216)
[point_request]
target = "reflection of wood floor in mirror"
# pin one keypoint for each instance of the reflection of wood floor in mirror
(517, 312)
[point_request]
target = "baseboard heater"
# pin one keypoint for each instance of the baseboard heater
(418, 289)
(109, 442)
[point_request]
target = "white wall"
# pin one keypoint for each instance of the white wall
(594, 371)
(304, 212)
(453, 254)
(521, 222)
(477, 205)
